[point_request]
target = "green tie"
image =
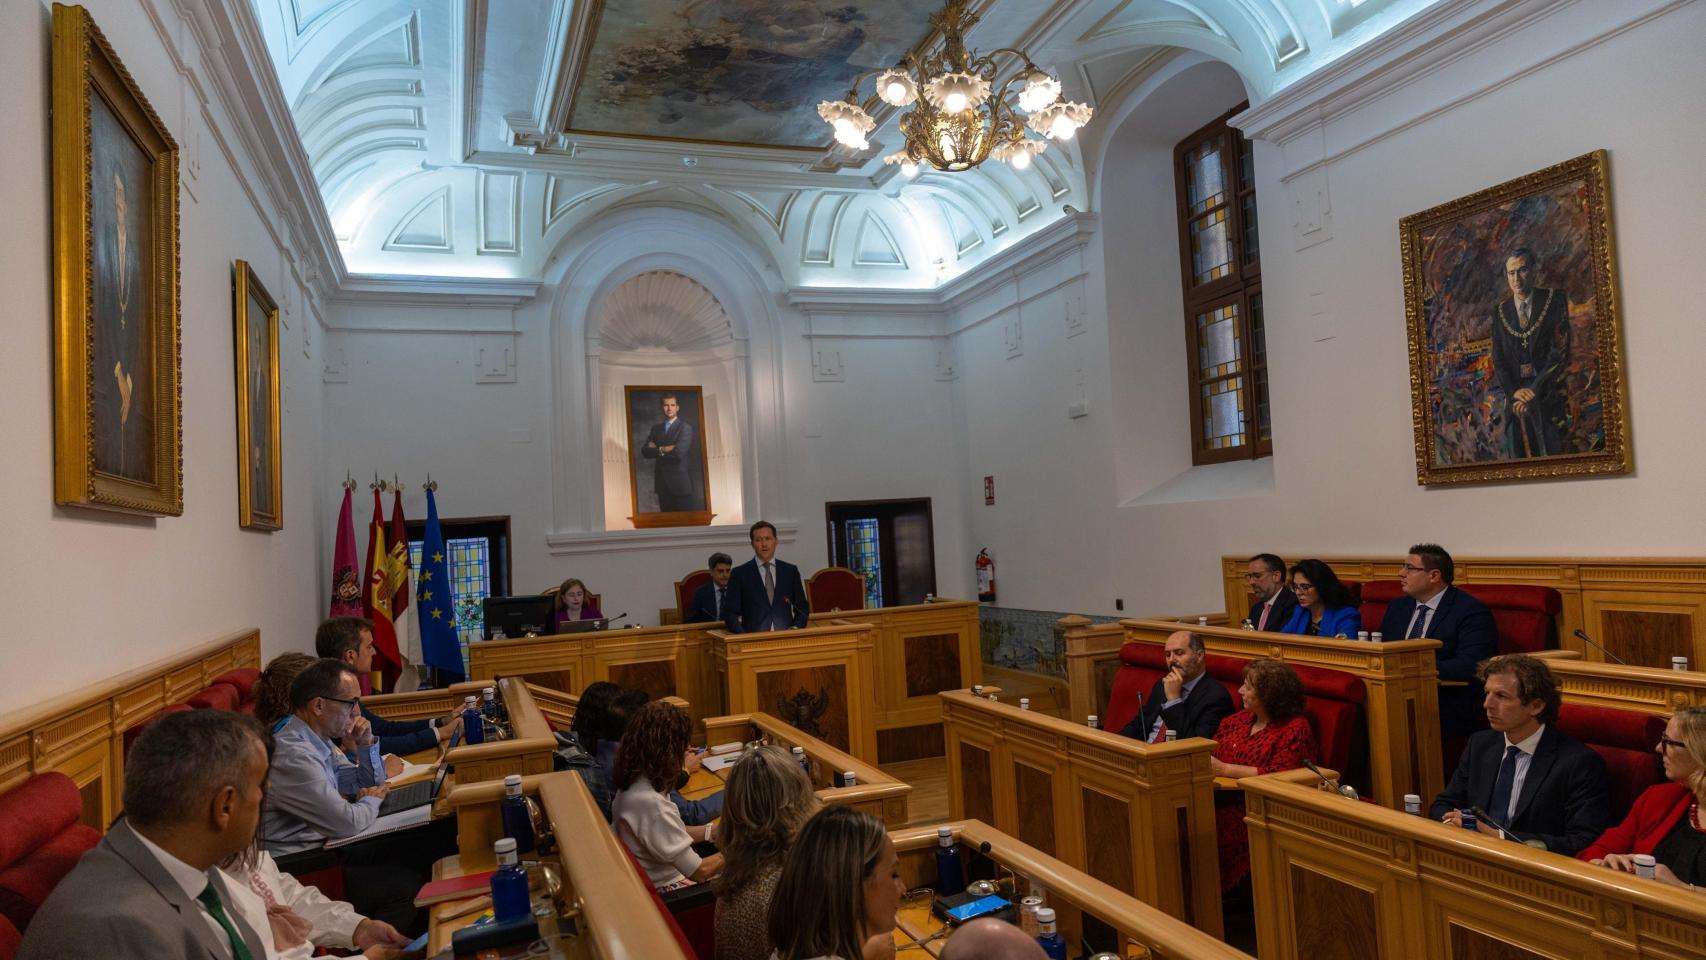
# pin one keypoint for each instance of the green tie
(210, 899)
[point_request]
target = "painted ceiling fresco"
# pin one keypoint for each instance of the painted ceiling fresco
(736, 71)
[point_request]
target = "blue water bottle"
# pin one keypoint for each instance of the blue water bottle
(509, 884)
(473, 727)
(518, 823)
(950, 875)
(1048, 937)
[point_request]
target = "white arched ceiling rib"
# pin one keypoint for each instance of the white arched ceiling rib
(663, 312)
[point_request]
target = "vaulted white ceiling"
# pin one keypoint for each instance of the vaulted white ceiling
(438, 131)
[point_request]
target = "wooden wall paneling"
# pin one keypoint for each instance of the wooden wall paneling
(894, 628)
(1639, 689)
(814, 699)
(1092, 656)
(558, 662)
(1648, 629)
(759, 668)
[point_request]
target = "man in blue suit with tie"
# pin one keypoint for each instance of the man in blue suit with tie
(709, 600)
(765, 593)
(1432, 608)
(670, 448)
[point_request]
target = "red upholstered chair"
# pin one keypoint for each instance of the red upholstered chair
(219, 696)
(836, 588)
(136, 731)
(10, 939)
(245, 679)
(696, 931)
(686, 587)
(1526, 615)
(1376, 594)
(41, 839)
(1625, 740)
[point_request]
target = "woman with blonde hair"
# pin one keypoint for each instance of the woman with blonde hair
(839, 890)
(1665, 821)
(767, 801)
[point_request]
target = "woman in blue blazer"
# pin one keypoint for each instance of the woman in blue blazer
(1324, 606)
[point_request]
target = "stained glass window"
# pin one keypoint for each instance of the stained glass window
(470, 562)
(864, 557)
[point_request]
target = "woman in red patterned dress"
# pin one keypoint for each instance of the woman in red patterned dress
(1271, 733)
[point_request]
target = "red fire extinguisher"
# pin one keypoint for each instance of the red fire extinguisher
(985, 576)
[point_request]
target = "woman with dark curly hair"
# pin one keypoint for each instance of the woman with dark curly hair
(1271, 733)
(648, 763)
(272, 692)
(1324, 607)
(839, 890)
(769, 800)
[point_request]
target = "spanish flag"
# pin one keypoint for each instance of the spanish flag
(386, 566)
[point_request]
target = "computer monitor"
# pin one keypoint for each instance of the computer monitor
(518, 616)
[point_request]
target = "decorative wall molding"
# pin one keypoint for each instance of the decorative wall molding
(728, 535)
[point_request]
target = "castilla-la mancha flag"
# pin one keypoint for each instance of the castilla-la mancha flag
(346, 579)
(386, 565)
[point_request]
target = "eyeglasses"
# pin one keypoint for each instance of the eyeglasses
(1302, 587)
(1407, 568)
(1665, 743)
(348, 703)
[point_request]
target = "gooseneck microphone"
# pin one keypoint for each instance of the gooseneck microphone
(1343, 789)
(1583, 636)
(620, 616)
(1507, 831)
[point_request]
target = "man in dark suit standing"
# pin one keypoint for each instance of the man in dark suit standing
(1186, 700)
(1274, 602)
(670, 447)
(708, 600)
(1535, 781)
(765, 593)
(1531, 354)
(152, 890)
(1432, 608)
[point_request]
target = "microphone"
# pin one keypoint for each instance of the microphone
(1583, 635)
(1344, 789)
(1507, 831)
(612, 620)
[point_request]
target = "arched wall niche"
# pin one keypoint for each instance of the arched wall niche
(586, 272)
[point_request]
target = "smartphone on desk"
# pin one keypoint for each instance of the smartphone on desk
(972, 909)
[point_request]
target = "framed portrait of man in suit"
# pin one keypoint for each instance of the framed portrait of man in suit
(260, 478)
(666, 456)
(1516, 358)
(117, 415)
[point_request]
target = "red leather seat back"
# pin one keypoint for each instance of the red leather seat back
(245, 679)
(1141, 664)
(136, 731)
(219, 696)
(1625, 740)
(1526, 615)
(1376, 594)
(836, 588)
(682, 940)
(9, 939)
(41, 839)
(685, 590)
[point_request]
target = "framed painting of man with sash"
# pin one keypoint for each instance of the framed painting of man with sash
(1516, 362)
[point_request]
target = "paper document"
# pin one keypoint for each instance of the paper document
(390, 823)
(723, 762)
(410, 771)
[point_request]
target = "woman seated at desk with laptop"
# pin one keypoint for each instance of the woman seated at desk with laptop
(571, 604)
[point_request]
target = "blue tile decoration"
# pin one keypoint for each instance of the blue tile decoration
(1029, 640)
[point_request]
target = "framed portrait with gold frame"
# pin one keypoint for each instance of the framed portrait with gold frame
(118, 424)
(1516, 356)
(260, 475)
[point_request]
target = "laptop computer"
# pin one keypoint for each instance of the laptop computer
(583, 626)
(420, 792)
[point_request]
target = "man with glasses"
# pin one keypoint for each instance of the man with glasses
(1432, 608)
(1274, 603)
(315, 793)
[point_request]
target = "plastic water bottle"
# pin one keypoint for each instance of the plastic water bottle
(800, 758)
(1376, 637)
(1679, 663)
(1470, 821)
(1094, 722)
(1248, 624)
(1024, 703)
(950, 873)
(509, 884)
(518, 823)
(473, 726)
(1172, 735)
(1646, 865)
(1202, 621)
(1413, 804)
(1362, 635)
(849, 778)
(1049, 938)
(489, 705)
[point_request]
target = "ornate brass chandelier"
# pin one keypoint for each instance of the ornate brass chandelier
(956, 122)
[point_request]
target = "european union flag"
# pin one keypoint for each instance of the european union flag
(440, 646)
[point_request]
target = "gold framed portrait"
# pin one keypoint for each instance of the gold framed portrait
(667, 466)
(118, 424)
(1516, 356)
(260, 475)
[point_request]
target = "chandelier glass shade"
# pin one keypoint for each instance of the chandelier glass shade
(963, 109)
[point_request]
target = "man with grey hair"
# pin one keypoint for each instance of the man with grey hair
(1185, 700)
(989, 939)
(151, 889)
(308, 800)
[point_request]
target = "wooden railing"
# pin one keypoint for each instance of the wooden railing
(81, 734)
(1336, 878)
(1403, 694)
(1644, 610)
(875, 792)
(1134, 815)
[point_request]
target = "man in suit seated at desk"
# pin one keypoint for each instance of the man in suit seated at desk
(765, 593)
(1537, 782)
(1434, 609)
(1186, 700)
(151, 889)
(1274, 599)
(350, 640)
(708, 600)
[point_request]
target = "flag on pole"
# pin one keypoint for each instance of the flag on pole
(441, 648)
(384, 569)
(408, 642)
(346, 582)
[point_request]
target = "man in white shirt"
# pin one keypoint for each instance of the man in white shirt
(1526, 779)
(150, 890)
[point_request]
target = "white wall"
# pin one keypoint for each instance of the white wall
(89, 595)
(1343, 477)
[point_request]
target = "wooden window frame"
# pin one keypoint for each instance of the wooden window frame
(1239, 286)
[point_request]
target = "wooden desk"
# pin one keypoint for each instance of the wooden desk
(526, 751)
(1403, 694)
(663, 661)
(1336, 878)
(1141, 928)
(875, 792)
(1641, 689)
(1134, 815)
(824, 674)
